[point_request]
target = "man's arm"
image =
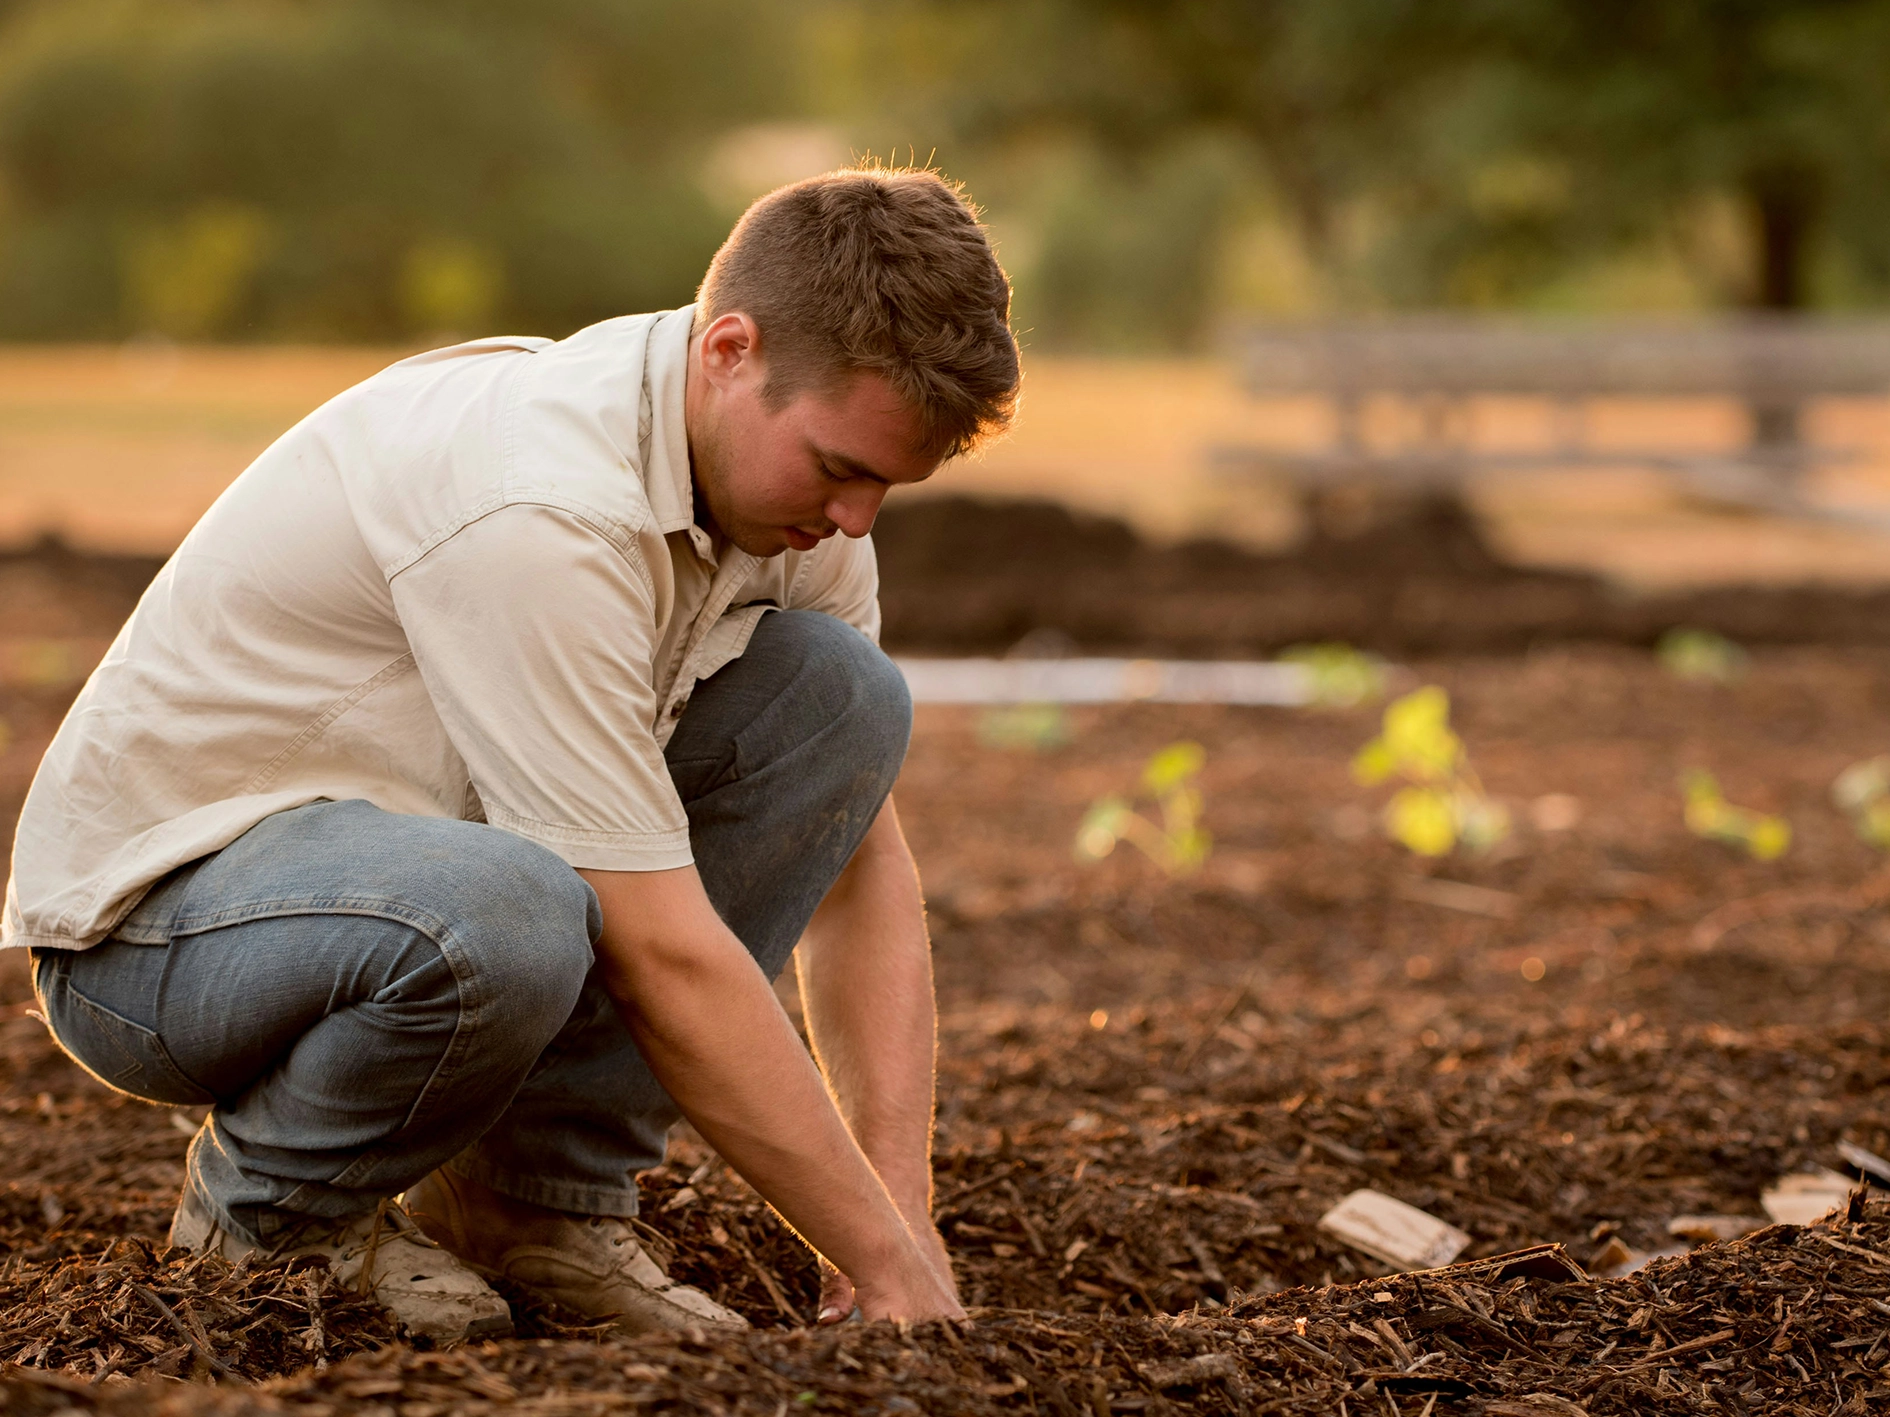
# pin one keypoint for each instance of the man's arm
(866, 987)
(713, 1033)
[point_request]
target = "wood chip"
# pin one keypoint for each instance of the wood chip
(1461, 896)
(1806, 1197)
(1388, 1229)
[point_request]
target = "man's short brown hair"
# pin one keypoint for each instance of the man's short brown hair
(879, 270)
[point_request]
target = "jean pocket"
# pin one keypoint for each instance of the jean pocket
(124, 1055)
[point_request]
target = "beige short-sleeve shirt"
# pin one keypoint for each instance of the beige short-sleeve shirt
(471, 586)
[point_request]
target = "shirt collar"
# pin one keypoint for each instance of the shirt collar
(666, 477)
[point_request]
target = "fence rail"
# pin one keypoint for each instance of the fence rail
(1773, 365)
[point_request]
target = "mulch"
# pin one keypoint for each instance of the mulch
(1788, 1320)
(1105, 1235)
(1152, 1089)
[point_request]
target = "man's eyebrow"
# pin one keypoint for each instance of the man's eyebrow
(853, 466)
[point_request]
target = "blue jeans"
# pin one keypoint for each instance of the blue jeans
(361, 997)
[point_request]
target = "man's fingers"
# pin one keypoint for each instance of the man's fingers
(836, 1295)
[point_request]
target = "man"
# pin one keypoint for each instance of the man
(445, 808)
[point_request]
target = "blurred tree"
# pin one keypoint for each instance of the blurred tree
(1477, 153)
(381, 168)
(1646, 112)
(1328, 100)
(1647, 108)
(362, 169)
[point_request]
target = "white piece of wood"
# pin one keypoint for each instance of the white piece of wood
(1388, 1229)
(1874, 1167)
(1807, 1197)
(1106, 681)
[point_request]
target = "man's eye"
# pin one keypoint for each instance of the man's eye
(833, 475)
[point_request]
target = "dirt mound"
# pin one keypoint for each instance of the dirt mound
(961, 576)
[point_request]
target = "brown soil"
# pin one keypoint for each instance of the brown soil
(961, 576)
(965, 577)
(1152, 1089)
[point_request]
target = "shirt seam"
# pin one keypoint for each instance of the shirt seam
(622, 536)
(320, 725)
(713, 609)
(582, 836)
(797, 584)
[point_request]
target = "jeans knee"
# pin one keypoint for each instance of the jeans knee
(857, 685)
(522, 935)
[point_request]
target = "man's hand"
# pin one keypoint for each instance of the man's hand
(714, 1035)
(837, 1295)
(866, 987)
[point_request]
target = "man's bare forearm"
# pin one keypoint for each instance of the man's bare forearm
(866, 987)
(713, 1033)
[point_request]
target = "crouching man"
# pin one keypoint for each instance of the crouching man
(443, 812)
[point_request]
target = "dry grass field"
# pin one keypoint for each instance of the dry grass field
(122, 448)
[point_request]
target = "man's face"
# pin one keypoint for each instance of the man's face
(786, 479)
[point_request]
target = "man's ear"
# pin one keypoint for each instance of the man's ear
(731, 350)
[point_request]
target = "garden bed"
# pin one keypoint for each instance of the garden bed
(1153, 1088)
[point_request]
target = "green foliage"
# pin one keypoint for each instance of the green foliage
(1701, 655)
(388, 168)
(1442, 804)
(1509, 152)
(1338, 675)
(1127, 249)
(1179, 844)
(368, 169)
(1034, 728)
(1862, 793)
(1710, 815)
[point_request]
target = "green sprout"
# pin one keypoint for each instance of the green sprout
(1339, 676)
(1862, 793)
(1701, 655)
(1442, 804)
(1030, 728)
(1710, 815)
(1179, 844)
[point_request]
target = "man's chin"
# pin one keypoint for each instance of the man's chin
(760, 541)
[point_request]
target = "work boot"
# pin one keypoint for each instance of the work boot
(590, 1264)
(429, 1292)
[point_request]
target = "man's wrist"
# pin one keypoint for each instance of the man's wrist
(913, 1197)
(908, 1179)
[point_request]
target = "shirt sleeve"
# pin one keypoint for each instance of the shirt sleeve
(841, 578)
(534, 633)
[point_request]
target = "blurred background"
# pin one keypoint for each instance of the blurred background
(1477, 345)
(215, 213)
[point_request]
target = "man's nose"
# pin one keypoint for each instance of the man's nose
(854, 509)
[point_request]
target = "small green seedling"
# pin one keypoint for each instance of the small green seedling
(1862, 793)
(1029, 728)
(1338, 675)
(1442, 804)
(1179, 844)
(1710, 815)
(1701, 655)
